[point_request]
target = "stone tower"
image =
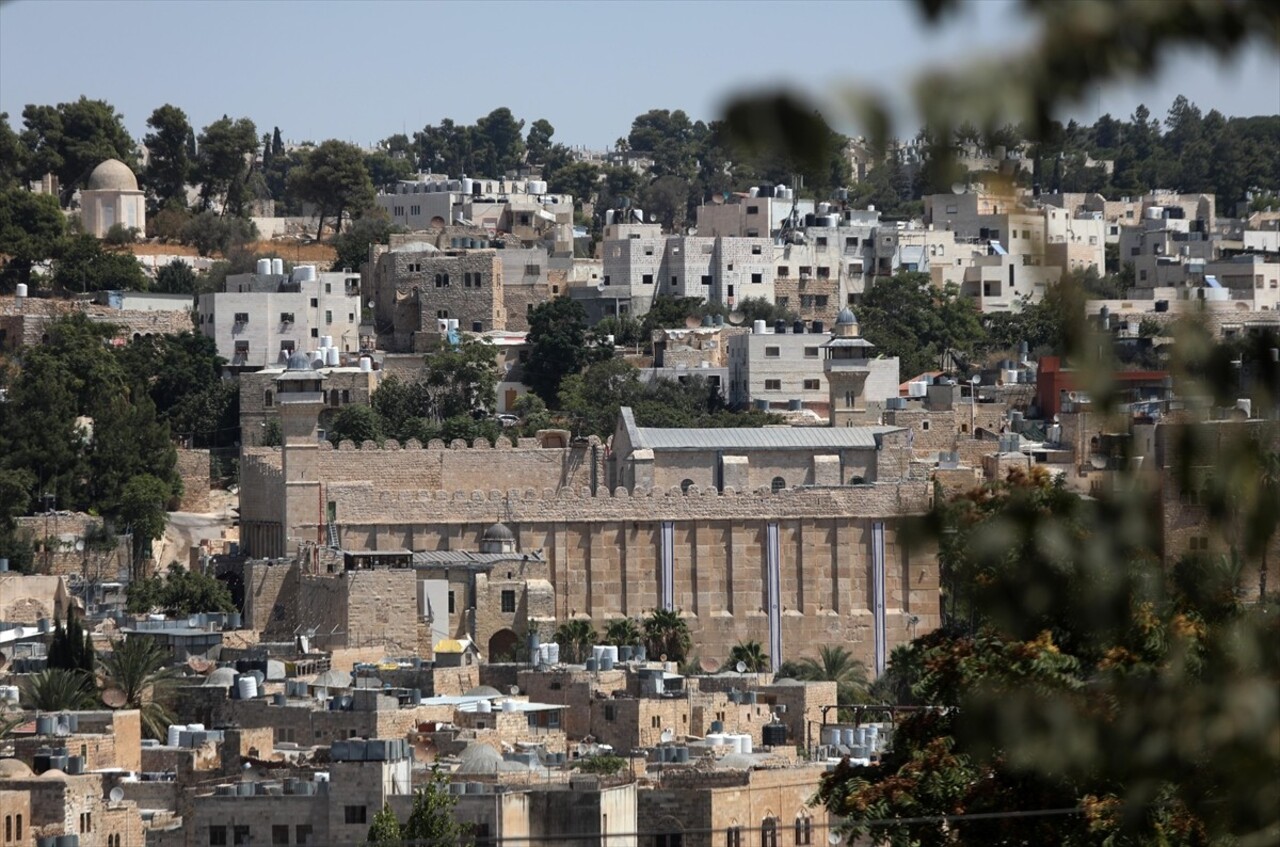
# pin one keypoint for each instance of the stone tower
(301, 399)
(847, 369)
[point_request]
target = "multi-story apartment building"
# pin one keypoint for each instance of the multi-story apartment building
(263, 317)
(417, 285)
(521, 207)
(779, 370)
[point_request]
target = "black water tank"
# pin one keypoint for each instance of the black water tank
(774, 734)
(780, 327)
(798, 327)
(818, 326)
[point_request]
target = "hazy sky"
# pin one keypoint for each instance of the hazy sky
(362, 71)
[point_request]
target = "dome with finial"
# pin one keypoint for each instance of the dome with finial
(298, 362)
(846, 317)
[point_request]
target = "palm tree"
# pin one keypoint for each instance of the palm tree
(57, 689)
(139, 667)
(751, 654)
(666, 633)
(575, 639)
(836, 664)
(623, 632)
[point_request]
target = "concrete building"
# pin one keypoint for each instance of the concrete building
(758, 213)
(522, 208)
(262, 318)
(112, 197)
(781, 370)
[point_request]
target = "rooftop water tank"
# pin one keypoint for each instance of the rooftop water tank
(304, 273)
(277, 266)
(758, 328)
(264, 267)
(366, 364)
(21, 290)
(332, 357)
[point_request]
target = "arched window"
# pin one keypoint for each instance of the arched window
(685, 485)
(769, 832)
(778, 484)
(804, 830)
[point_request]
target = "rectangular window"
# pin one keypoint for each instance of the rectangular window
(757, 278)
(851, 241)
(302, 835)
(217, 836)
(605, 281)
(610, 712)
(328, 288)
(354, 814)
(783, 271)
(315, 302)
(279, 835)
(824, 272)
(508, 601)
(242, 317)
(315, 332)
(328, 317)
(755, 249)
(772, 352)
(733, 837)
(813, 385)
(783, 302)
(647, 279)
(451, 602)
(821, 242)
(240, 835)
(706, 280)
(753, 210)
(773, 385)
(820, 300)
(242, 347)
(656, 722)
(811, 352)
(805, 271)
(286, 317)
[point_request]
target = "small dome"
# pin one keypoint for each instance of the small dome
(112, 175)
(498, 532)
(54, 773)
(846, 318)
(298, 362)
(14, 769)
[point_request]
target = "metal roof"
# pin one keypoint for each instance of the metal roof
(467, 557)
(767, 438)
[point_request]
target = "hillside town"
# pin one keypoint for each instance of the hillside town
(469, 487)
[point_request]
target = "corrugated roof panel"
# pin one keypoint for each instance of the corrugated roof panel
(769, 438)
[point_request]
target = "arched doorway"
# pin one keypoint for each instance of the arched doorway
(502, 646)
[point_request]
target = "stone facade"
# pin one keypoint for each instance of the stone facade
(413, 289)
(193, 467)
(258, 397)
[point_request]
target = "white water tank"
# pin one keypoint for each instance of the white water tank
(21, 290)
(277, 266)
(467, 185)
(326, 341)
(332, 357)
(758, 327)
(484, 707)
(553, 653)
(247, 687)
(174, 737)
(304, 273)
(716, 738)
(366, 364)
(264, 267)
(744, 743)
(611, 653)
(508, 705)
(830, 735)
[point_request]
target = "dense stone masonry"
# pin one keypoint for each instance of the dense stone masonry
(415, 289)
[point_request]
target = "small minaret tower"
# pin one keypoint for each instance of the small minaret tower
(846, 368)
(300, 398)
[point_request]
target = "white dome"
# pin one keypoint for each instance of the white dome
(112, 175)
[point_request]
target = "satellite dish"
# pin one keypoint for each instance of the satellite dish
(114, 698)
(117, 794)
(653, 219)
(740, 667)
(667, 736)
(513, 690)
(736, 318)
(79, 545)
(708, 665)
(692, 322)
(834, 838)
(1098, 462)
(662, 658)
(976, 379)
(958, 188)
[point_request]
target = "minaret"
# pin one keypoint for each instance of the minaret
(300, 398)
(847, 369)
